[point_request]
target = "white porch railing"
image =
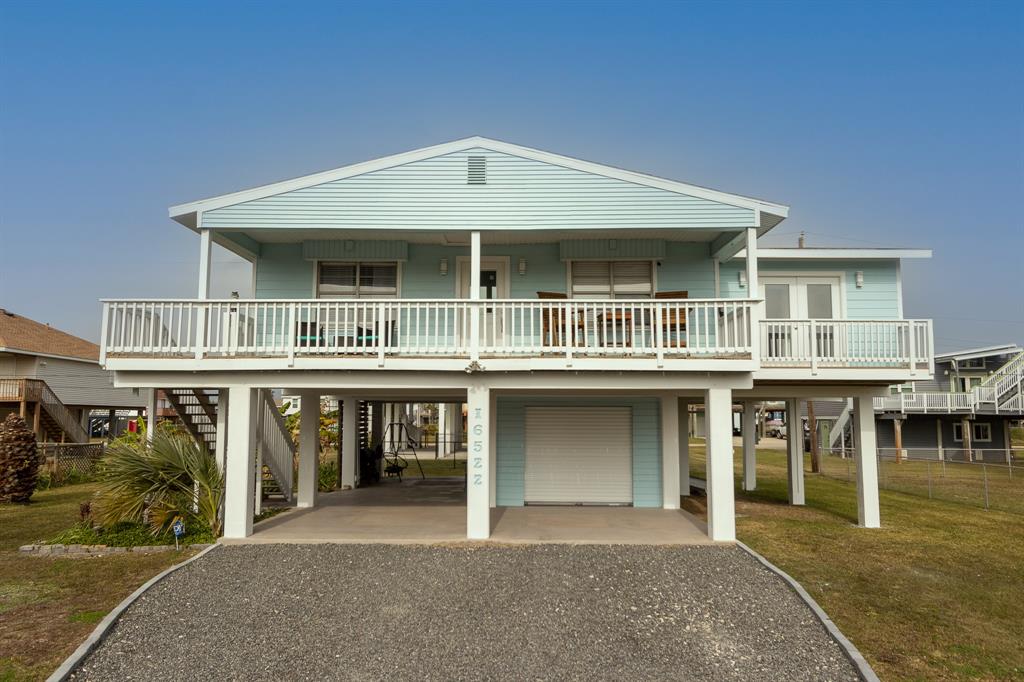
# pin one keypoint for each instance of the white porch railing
(865, 344)
(276, 447)
(676, 328)
(926, 402)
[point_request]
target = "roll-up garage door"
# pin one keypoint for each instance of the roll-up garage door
(579, 455)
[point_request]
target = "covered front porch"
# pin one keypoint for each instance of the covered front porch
(434, 511)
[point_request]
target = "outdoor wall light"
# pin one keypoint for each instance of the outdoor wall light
(444, 267)
(743, 279)
(860, 279)
(522, 266)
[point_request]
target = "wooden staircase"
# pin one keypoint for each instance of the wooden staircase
(197, 409)
(56, 421)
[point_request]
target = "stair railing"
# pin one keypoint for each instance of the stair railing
(277, 449)
(62, 415)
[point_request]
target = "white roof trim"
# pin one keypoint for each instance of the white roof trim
(213, 203)
(768, 253)
(970, 353)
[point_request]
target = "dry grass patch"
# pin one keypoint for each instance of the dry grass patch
(48, 606)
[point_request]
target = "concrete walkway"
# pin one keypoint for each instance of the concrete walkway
(434, 511)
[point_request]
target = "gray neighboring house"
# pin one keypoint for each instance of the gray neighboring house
(965, 412)
(54, 380)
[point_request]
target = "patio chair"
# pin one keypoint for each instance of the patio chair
(553, 322)
(673, 320)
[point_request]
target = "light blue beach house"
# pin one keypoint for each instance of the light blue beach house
(575, 308)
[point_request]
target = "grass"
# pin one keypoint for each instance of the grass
(935, 594)
(435, 468)
(48, 606)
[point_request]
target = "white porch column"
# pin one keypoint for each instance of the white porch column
(795, 449)
(350, 444)
(309, 448)
(151, 415)
(492, 449)
(753, 291)
(478, 495)
(683, 412)
(240, 483)
(442, 440)
(866, 454)
(474, 293)
(721, 495)
(749, 431)
(205, 251)
(221, 444)
(670, 444)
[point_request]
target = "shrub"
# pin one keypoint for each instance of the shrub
(328, 477)
(19, 460)
(156, 483)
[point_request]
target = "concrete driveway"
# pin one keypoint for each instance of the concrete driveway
(429, 612)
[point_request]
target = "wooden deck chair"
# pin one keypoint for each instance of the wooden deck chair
(673, 322)
(553, 326)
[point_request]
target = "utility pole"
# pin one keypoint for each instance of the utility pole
(812, 429)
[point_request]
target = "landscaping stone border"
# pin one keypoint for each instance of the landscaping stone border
(855, 656)
(99, 550)
(68, 666)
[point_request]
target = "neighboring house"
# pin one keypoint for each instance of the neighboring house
(964, 412)
(54, 380)
(576, 309)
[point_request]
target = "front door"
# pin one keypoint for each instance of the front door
(791, 301)
(493, 285)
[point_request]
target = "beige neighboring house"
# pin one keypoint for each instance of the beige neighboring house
(54, 380)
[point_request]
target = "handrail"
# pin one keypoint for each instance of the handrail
(38, 391)
(277, 449)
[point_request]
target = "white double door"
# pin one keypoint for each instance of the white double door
(793, 300)
(494, 285)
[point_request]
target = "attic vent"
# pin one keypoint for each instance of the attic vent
(476, 170)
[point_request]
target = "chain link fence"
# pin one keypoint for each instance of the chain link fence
(991, 479)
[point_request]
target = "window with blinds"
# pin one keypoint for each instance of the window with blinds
(612, 279)
(357, 280)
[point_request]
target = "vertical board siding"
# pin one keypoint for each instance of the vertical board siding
(611, 249)
(511, 445)
(354, 249)
(518, 193)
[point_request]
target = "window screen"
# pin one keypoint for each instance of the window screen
(350, 280)
(612, 279)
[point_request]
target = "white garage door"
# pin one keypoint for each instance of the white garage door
(579, 455)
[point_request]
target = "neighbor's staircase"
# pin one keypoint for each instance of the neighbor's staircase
(842, 424)
(56, 421)
(197, 409)
(1003, 390)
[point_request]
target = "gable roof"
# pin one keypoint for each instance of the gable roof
(20, 334)
(187, 214)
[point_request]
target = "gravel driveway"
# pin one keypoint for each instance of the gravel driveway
(369, 612)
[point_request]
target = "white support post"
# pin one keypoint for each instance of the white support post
(749, 431)
(795, 448)
(670, 438)
(350, 446)
(474, 293)
(239, 488)
(205, 250)
(221, 445)
(683, 412)
(478, 512)
(753, 291)
(151, 415)
(442, 430)
(309, 448)
(720, 489)
(866, 454)
(492, 449)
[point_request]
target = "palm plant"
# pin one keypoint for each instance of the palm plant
(155, 482)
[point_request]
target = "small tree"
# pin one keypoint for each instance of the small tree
(19, 460)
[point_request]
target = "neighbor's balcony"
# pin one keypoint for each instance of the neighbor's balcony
(504, 334)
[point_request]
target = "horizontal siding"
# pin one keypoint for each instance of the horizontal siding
(511, 455)
(878, 299)
(519, 193)
(86, 383)
(610, 249)
(283, 272)
(355, 249)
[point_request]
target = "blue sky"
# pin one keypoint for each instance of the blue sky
(880, 124)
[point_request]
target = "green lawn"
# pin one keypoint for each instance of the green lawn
(48, 606)
(935, 594)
